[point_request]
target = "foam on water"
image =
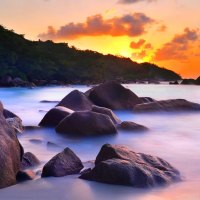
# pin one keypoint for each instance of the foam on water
(174, 137)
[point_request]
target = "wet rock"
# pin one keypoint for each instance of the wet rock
(114, 96)
(63, 164)
(32, 127)
(55, 116)
(10, 154)
(106, 111)
(147, 99)
(8, 114)
(86, 123)
(25, 175)
(121, 166)
(29, 160)
(131, 127)
(76, 101)
(168, 105)
(16, 124)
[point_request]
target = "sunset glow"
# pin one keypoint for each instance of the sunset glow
(162, 32)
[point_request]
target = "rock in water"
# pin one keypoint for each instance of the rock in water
(114, 96)
(25, 175)
(77, 101)
(86, 123)
(121, 166)
(106, 111)
(167, 105)
(29, 160)
(64, 163)
(55, 116)
(10, 154)
(131, 126)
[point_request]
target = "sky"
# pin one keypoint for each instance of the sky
(164, 32)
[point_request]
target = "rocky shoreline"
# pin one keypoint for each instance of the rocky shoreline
(9, 81)
(91, 113)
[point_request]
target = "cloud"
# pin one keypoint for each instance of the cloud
(139, 55)
(134, 1)
(140, 44)
(127, 25)
(162, 28)
(178, 47)
(137, 45)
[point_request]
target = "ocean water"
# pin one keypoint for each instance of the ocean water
(174, 137)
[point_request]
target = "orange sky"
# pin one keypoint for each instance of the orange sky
(165, 32)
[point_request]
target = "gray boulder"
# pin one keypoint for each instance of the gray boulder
(76, 101)
(114, 96)
(63, 164)
(121, 166)
(55, 116)
(86, 123)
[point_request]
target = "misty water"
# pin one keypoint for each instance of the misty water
(174, 137)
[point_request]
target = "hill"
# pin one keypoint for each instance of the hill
(31, 60)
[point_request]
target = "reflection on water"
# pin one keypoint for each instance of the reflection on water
(173, 136)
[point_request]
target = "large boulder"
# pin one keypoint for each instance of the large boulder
(63, 164)
(168, 105)
(121, 166)
(147, 99)
(114, 96)
(86, 123)
(131, 127)
(55, 116)
(29, 160)
(106, 111)
(10, 154)
(76, 101)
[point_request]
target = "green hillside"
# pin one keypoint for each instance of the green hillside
(39, 60)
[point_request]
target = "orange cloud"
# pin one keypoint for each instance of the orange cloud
(140, 55)
(137, 45)
(140, 44)
(162, 28)
(178, 47)
(127, 25)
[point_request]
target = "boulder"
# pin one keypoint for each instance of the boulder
(131, 127)
(25, 175)
(29, 160)
(147, 99)
(55, 116)
(8, 114)
(121, 166)
(86, 123)
(63, 164)
(76, 101)
(10, 154)
(168, 105)
(114, 96)
(16, 124)
(106, 111)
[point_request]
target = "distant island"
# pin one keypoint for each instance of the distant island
(40, 63)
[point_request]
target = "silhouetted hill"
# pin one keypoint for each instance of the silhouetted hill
(49, 61)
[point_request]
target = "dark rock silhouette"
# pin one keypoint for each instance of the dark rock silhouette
(121, 166)
(63, 164)
(86, 123)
